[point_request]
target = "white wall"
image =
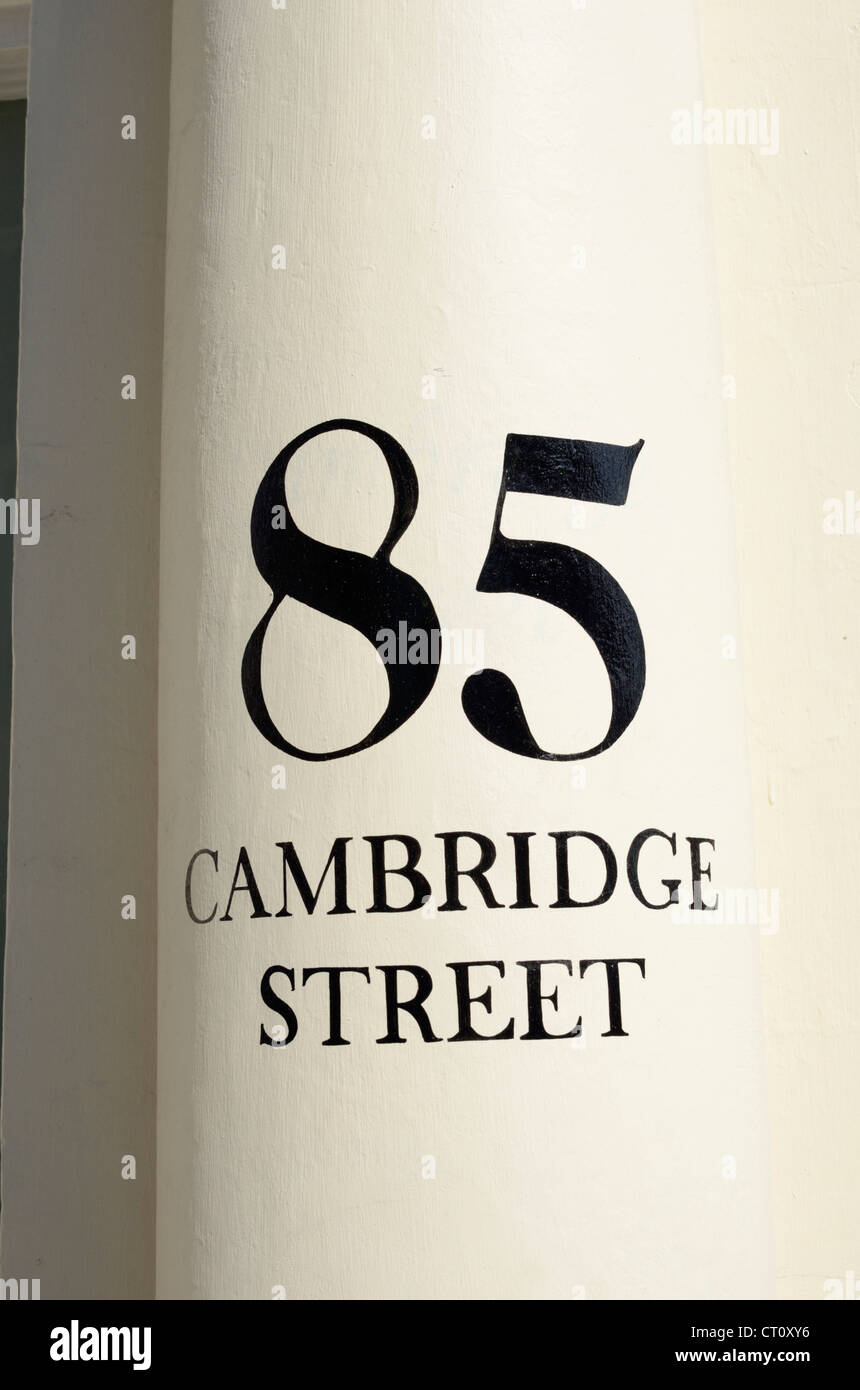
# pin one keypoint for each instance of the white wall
(789, 257)
(78, 1085)
(78, 1049)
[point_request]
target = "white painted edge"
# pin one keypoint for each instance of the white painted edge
(14, 50)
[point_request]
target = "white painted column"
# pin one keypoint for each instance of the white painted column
(79, 1039)
(455, 222)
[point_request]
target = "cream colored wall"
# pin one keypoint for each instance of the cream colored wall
(78, 1045)
(788, 254)
(789, 261)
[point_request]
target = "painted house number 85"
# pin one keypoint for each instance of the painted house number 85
(369, 593)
